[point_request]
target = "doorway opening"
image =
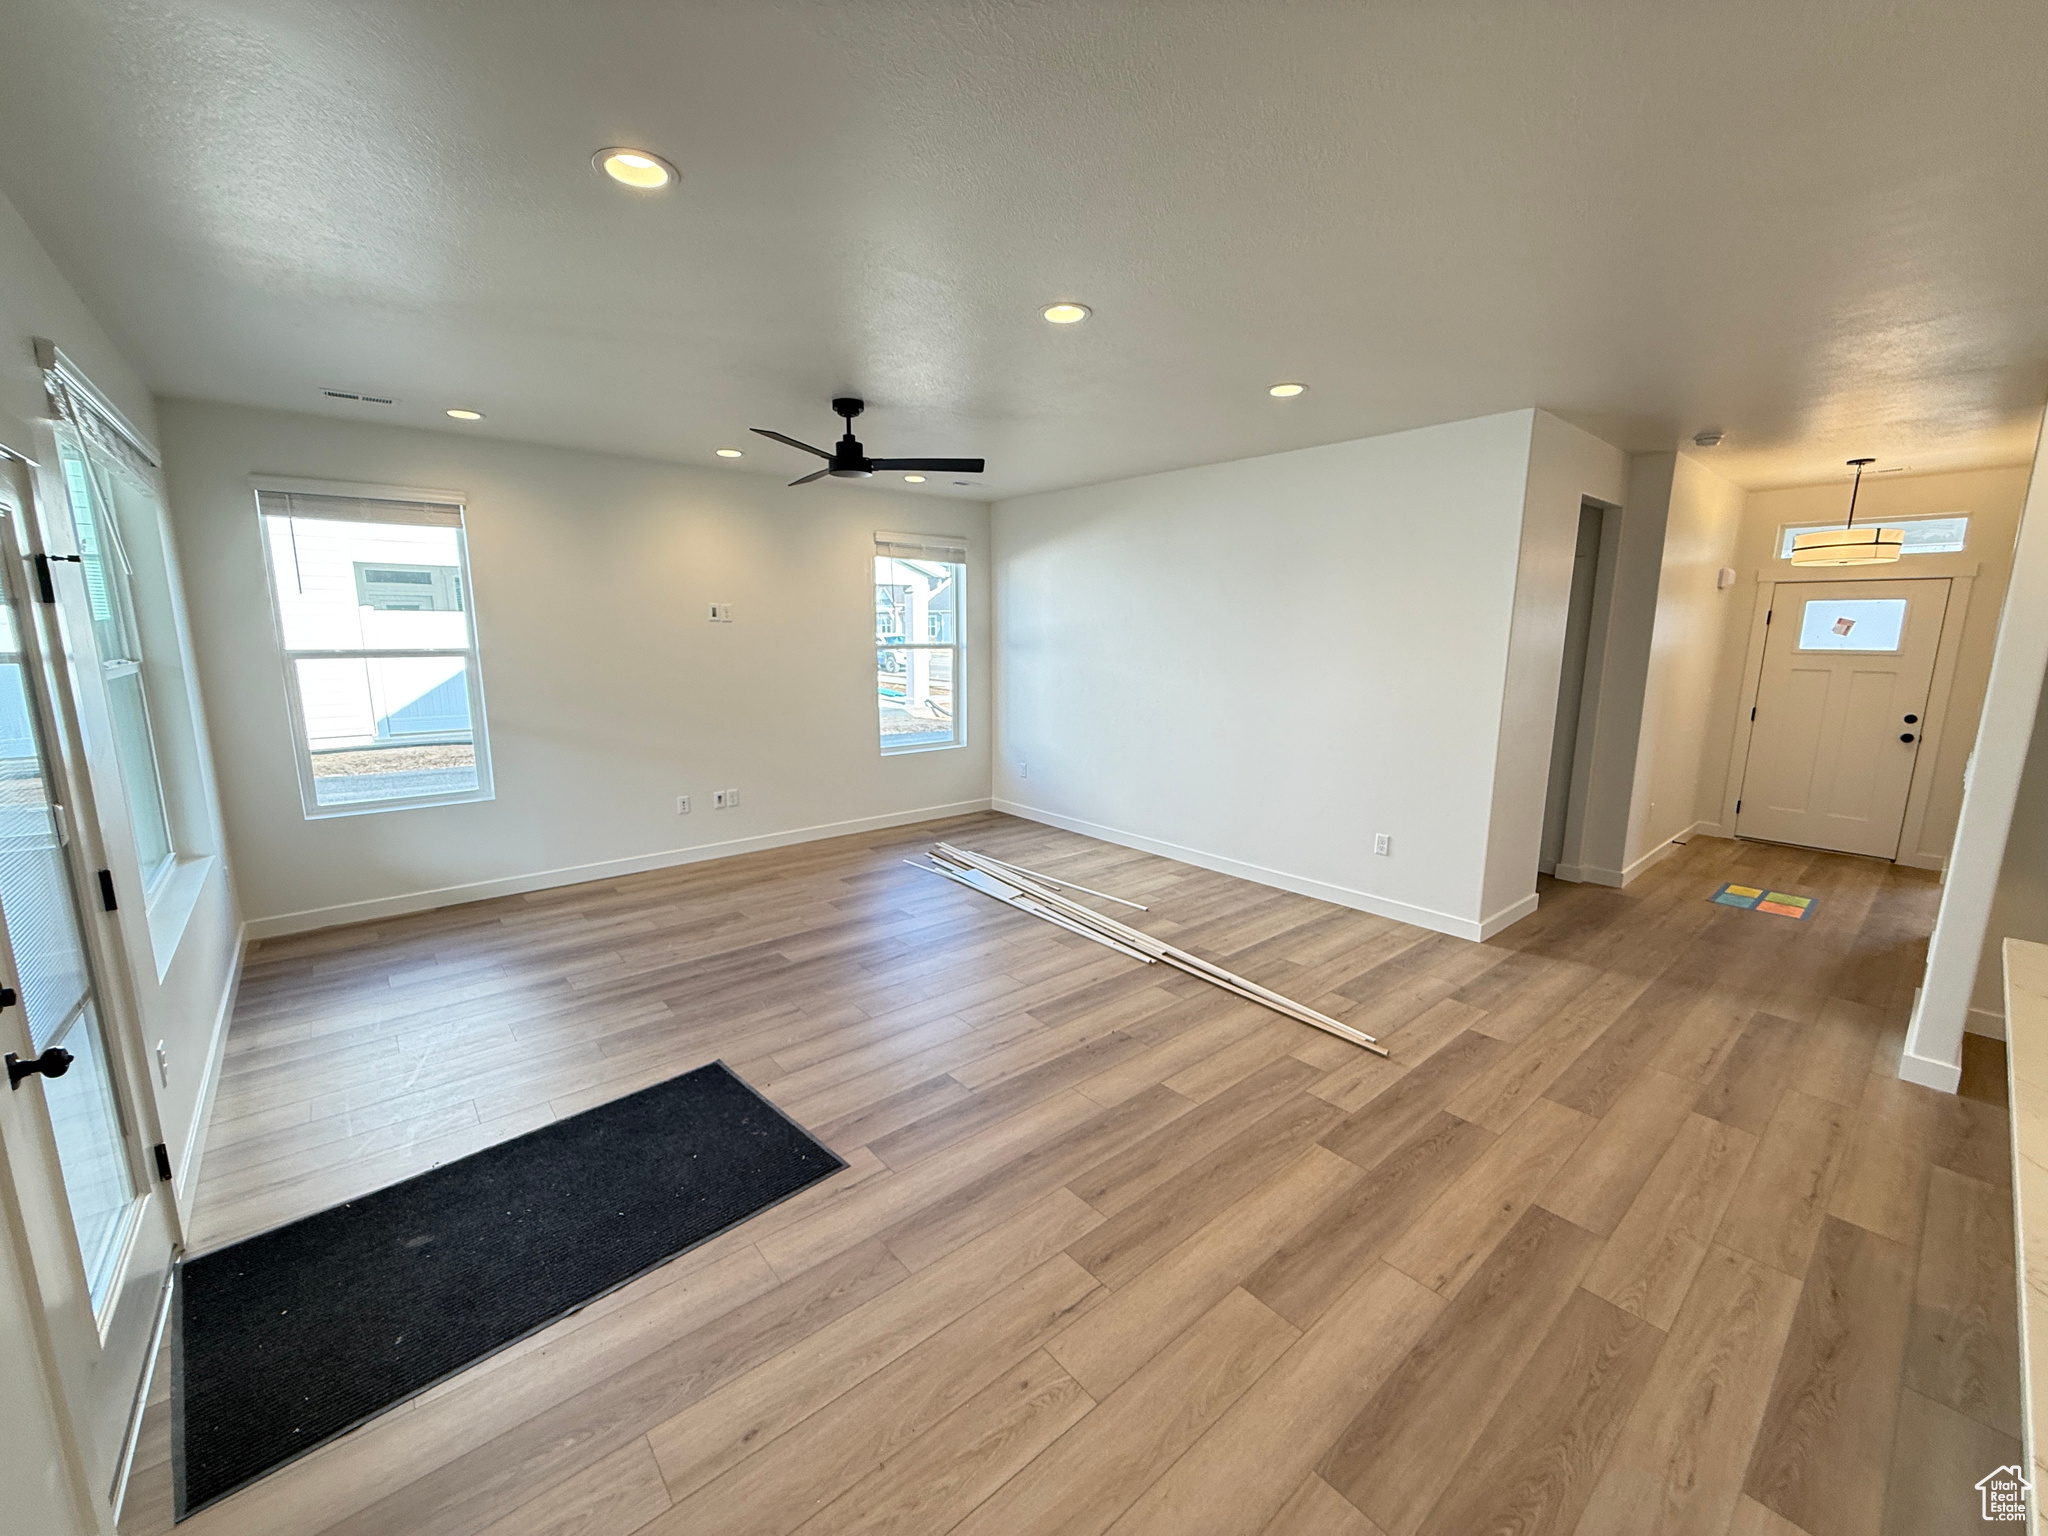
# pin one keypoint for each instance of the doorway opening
(1574, 683)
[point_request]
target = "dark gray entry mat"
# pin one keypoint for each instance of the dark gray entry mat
(287, 1339)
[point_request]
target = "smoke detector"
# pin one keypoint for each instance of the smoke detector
(1711, 438)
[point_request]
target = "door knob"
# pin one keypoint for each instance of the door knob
(54, 1062)
(1906, 736)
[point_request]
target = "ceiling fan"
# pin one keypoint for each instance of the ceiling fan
(849, 461)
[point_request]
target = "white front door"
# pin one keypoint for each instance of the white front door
(78, 1185)
(1840, 711)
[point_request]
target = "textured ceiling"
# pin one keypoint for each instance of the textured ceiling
(1819, 228)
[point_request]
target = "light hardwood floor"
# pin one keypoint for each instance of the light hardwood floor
(1635, 1232)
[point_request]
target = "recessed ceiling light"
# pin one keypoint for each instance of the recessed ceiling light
(730, 453)
(1066, 314)
(462, 413)
(913, 479)
(634, 168)
(1287, 391)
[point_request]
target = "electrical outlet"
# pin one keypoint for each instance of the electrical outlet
(721, 613)
(163, 1064)
(1382, 843)
(682, 805)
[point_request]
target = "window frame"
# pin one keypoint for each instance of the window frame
(302, 756)
(1787, 532)
(896, 545)
(117, 575)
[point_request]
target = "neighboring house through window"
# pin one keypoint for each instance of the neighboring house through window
(920, 583)
(371, 599)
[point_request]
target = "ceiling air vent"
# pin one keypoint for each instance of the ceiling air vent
(358, 397)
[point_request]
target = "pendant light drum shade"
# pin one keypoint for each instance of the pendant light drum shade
(1848, 544)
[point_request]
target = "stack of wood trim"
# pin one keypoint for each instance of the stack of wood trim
(1040, 895)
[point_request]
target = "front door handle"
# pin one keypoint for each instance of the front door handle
(1912, 719)
(54, 1062)
(1906, 736)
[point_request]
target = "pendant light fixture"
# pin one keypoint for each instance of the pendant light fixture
(1848, 544)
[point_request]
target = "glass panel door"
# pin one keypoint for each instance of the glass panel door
(40, 910)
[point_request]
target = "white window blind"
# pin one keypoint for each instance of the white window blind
(359, 509)
(942, 548)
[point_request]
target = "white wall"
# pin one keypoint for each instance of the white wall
(2019, 909)
(1693, 616)
(1257, 666)
(1993, 498)
(35, 300)
(1657, 633)
(608, 692)
(1566, 466)
(1955, 950)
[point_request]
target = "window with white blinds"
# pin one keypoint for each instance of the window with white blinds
(372, 601)
(920, 620)
(89, 482)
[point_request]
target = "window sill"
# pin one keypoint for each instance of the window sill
(936, 746)
(373, 807)
(170, 910)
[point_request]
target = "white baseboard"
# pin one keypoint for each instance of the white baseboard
(518, 885)
(1985, 1021)
(186, 1180)
(1934, 861)
(1508, 916)
(1321, 890)
(1942, 1076)
(1594, 874)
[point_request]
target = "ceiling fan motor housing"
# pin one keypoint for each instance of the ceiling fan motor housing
(849, 459)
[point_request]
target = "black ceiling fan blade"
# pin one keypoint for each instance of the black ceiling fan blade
(783, 438)
(957, 466)
(816, 474)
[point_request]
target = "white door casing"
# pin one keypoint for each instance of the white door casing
(1841, 712)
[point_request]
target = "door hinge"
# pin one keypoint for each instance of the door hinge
(45, 588)
(1738, 807)
(163, 1162)
(1767, 615)
(107, 891)
(1752, 712)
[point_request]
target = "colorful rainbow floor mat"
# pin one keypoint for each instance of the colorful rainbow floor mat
(1755, 899)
